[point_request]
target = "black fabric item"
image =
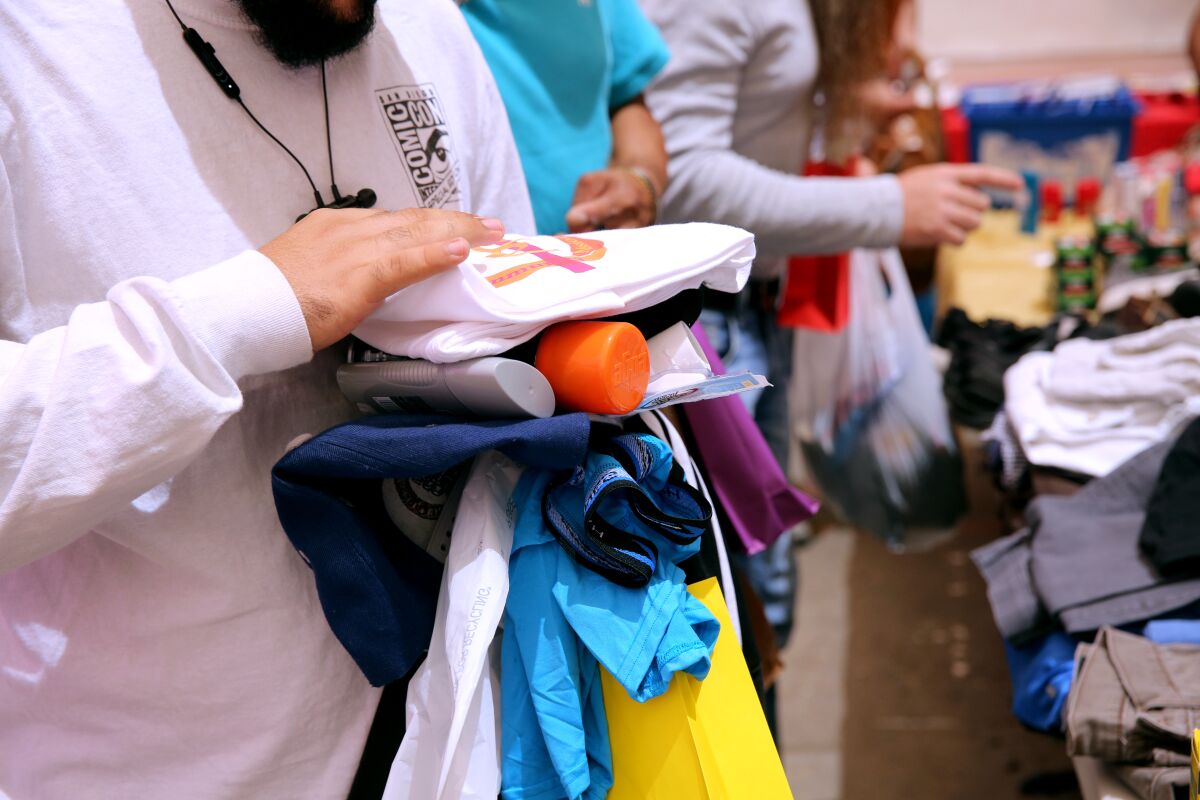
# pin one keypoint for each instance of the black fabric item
(720, 301)
(383, 741)
(1186, 299)
(979, 356)
(1170, 536)
(762, 294)
(705, 564)
(683, 307)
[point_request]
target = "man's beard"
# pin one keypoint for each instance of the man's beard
(300, 33)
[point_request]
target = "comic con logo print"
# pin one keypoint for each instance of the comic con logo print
(422, 139)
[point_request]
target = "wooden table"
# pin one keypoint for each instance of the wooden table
(1001, 273)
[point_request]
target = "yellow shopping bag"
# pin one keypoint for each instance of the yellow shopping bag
(701, 740)
(1194, 793)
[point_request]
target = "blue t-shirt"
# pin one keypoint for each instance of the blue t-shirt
(562, 67)
(561, 622)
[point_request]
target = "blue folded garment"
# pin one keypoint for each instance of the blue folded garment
(378, 589)
(607, 512)
(1041, 674)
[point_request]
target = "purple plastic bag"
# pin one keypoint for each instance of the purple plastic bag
(742, 471)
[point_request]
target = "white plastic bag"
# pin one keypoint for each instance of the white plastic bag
(841, 375)
(886, 455)
(451, 746)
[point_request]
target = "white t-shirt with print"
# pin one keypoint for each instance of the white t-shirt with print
(503, 295)
(159, 636)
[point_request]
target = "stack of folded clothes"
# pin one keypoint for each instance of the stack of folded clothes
(1091, 405)
(1124, 551)
(1078, 565)
(1134, 704)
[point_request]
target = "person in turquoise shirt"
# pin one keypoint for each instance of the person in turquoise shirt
(571, 73)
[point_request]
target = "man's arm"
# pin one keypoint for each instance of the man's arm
(122, 397)
(98, 411)
(696, 99)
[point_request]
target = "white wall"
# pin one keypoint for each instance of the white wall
(1003, 30)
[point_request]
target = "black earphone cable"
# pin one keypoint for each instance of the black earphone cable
(299, 163)
(176, 13)
(337, 196)
(225, 81)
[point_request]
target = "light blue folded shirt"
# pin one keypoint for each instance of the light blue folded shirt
(561, 621)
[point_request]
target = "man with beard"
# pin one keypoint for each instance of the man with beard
(159, 315)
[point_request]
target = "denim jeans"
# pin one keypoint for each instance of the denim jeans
(748, 338)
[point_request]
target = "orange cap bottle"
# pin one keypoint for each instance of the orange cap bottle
(598, 367)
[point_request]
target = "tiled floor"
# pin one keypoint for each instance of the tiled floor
(895, 676)
(812, 695)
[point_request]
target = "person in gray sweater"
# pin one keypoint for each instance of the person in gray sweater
(736, 103)
(736, 106)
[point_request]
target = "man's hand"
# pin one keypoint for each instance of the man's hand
(942, 202)
(611, 198)
(342, 264)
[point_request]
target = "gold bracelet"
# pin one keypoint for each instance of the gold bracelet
(648, 182)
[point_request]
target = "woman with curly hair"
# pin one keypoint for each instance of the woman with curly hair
(749, 87)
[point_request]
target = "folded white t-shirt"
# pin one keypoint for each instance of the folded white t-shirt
(1161, 365)
(1091, 405)
(1090, 439)
(506, 294)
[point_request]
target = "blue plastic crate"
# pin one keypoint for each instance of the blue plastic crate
(1049, 115)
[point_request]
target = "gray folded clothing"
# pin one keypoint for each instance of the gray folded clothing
(1134, 701)
(1079, 561)
(1005, 565)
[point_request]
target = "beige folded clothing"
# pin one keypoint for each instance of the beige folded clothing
(1135, 703)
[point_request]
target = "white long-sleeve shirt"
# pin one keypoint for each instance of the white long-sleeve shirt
(159, 636)
(736, 107)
